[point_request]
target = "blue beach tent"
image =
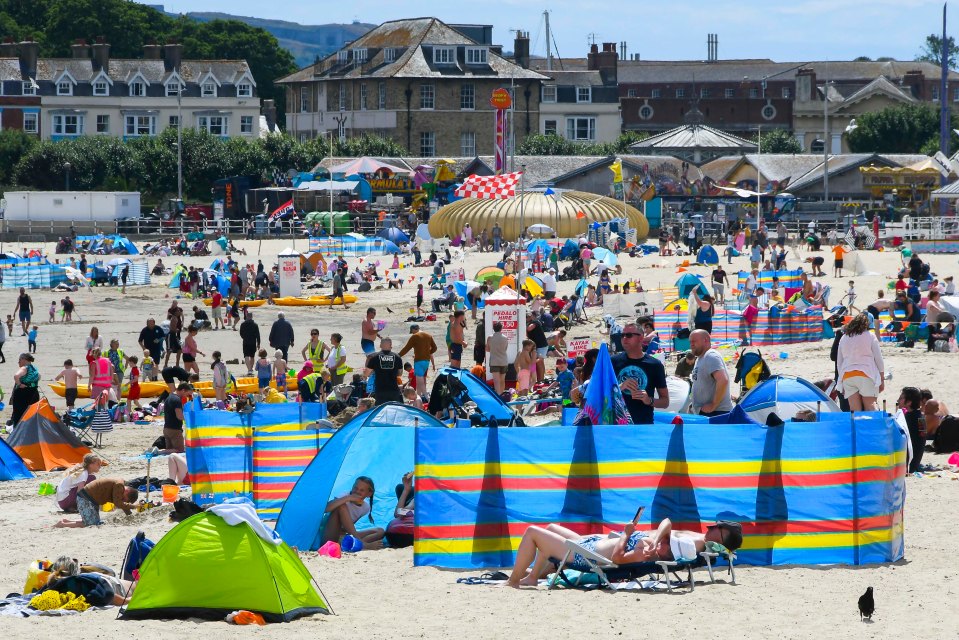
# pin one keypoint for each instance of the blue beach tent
(707, 255)
(12, 466)
(785, 396)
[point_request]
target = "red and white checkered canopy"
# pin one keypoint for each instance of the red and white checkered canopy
(489, 187)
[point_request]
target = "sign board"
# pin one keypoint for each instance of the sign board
(289, 275)
(503, 306)
(579, 346)
(456, 274)
(501, 99)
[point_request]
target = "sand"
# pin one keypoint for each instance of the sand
(381, 595)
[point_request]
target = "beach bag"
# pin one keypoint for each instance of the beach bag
(941, 346)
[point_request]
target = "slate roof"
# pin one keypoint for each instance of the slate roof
(693, 137)
(123, 70)
(575, 78)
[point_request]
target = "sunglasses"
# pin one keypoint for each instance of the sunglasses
(631, 335)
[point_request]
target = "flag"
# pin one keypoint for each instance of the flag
(617, 169)
(490, 187)
(580, 215)
(282, 210)
(549, 192)
(603, 402)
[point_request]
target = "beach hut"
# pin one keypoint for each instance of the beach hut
(707, 255)
(785, 396)
(12, 466)
(210, 565)
(43, 442)
(362, 447)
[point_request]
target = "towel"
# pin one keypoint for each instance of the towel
(234, 513)
(682, 548)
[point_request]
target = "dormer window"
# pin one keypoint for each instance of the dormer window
(64, 88)
(244, 90)
(138, 89)
(173, 89)
(444, 55)
(29, 88)
(360, 55)
(343, 56)
(389, 55)
(476, 55)
(584, 94)
(208, 90)
(100, 88)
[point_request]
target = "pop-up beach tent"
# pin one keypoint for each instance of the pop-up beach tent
(12, 466)
(44, 442)
(687, 283)
(707, 255)
(785, 396)
(206, 568)
(377, 444)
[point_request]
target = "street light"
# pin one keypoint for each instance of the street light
(179, 140)
(66, 171)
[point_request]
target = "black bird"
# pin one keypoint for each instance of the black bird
(866, 605)
(390, 310)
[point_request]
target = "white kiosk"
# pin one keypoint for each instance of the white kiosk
(289, 264)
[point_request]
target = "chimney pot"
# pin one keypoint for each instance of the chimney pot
(101, 53)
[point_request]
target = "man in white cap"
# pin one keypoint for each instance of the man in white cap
(281, 334)
(549, 284)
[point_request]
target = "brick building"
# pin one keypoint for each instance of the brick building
(420, 81)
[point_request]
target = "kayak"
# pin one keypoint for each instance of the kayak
(313, 301)
(243, 303)
(204, 388)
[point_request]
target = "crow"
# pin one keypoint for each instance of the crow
(866, 605)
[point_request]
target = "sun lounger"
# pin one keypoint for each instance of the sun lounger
(607, 570)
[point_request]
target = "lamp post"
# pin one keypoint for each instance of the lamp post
(66, 172)
(179, 140)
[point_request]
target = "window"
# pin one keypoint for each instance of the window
(427, 96)
(342, 97)
(343, 56)
(389, 55)
(475, 55)
(955, 94)
(730, 93)
(817, 146)
(381, 98)
(787, 93)
(705, 92)
(215, 125)
(549, 93)
(581, 128)
(30, 123)
(137, 89)
(680, 93)
(341, 130)
(173, 89)
(139, 126)
(174, 122)
(246, 124)
(304, 99)
(935, 93)
(427, 144)
(100, 88)
(67, 125)
(467, 96)
(754, 92)
(29, 88)
(631, 93)
(103, 124)
(244, 90)
(363, 96)
(645, 112)
(64, 88)
(444, 55)
(208, 90)
(468, 144)
(360, 55)
(584, 94)
(768, 112)
(549, 127)
(656, 93)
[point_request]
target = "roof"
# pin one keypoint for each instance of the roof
(575, 78)
(719, 168)
(410, 36)
(879, 85)
(123, 70)
(693, 137)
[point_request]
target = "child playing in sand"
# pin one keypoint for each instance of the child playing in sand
(410, 397)
(326, 387)
(70, 377)
(221, 377)
(279, 371)
(133, 393)
(264, 372)
(9, 325)
(419, 300)
(53, 312)
(32, 339)
(148, 368)
(345, 511)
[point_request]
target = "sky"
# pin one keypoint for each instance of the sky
(795, 30)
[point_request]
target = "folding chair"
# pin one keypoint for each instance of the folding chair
(79, 420)
(102, 421)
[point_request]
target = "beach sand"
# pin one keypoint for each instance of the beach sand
(381, 595)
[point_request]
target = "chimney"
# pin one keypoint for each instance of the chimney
(521, 49)
(712, 47)
(172, 55)
(806, 85)
(80, 49)
(916, 82)
(101, 54)
(269, 112)
(29, 50)
(605, 61)
(8, 48)
(152, 51)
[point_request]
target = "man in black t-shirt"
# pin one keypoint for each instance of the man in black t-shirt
(151, 339)
(386, 366)
(173, 417)
(534, 331)
(640, 377)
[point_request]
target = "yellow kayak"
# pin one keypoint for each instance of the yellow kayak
(313, 301)
(204, 388)
(243, 303)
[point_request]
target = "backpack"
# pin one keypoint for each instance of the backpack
(183, 509)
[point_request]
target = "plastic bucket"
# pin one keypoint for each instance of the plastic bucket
(171, 492)
(351, 544)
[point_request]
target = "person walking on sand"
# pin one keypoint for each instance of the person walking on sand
(24, 310)
(368, 332)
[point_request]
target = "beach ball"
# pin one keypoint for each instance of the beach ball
(783, 355)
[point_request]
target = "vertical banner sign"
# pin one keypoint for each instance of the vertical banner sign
(501, 101)
(289, 275)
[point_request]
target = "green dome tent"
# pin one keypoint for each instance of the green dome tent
(206, 568)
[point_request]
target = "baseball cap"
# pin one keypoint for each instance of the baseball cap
(732, 533)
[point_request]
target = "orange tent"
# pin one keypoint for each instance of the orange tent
(44, 442)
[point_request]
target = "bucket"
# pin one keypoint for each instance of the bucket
(351, 544)
(171, 492)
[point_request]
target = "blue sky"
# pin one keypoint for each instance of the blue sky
(795, 30)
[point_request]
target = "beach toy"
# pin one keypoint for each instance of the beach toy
(108, 507)
(170, 492)
(783, 355)
(954, 458)
(330, 549)
(351, 544)
(46, 489)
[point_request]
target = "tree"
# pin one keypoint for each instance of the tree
(932, 51)
(900, 129)
(778, 141)
(14, 144)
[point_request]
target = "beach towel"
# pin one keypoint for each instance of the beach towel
(234, 513)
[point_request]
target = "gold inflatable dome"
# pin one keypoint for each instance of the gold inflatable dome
(569, 216)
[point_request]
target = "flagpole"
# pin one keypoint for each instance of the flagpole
(520, 253)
